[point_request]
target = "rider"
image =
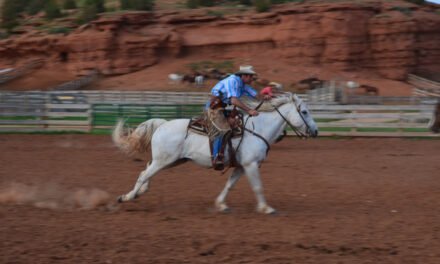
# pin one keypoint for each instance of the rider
(228, 92)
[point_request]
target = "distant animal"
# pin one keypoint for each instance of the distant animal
(434, 124)
(352, 84)
(175, 77)
(199, 80)
(369, 89)
(189, 78)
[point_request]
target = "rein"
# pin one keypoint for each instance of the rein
(252, 132)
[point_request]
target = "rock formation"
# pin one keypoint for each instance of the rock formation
(392, 38)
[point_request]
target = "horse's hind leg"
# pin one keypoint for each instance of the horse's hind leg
(220, 203)
(253, 175)
(141, 185)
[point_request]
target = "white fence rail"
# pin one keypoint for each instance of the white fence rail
(35, 114)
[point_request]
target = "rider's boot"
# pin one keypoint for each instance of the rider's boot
(218, 163)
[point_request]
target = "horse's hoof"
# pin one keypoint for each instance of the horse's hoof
(120, 199)
(267, 210)
(223, 208)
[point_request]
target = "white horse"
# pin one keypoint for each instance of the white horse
(171, 144)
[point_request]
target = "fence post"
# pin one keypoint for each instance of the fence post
(90, 117)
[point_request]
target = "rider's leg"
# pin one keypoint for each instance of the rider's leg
(216, 146)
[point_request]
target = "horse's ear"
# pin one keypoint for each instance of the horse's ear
(295, 98)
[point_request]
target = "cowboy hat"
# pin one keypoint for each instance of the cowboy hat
(246, 69)
(276, 85)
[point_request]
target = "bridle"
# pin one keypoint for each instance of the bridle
(298, 132)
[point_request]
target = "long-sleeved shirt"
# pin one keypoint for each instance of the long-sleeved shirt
(232, 86)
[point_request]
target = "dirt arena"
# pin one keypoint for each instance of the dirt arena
(338, 201)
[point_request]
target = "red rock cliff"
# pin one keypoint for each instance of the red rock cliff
(392, 38)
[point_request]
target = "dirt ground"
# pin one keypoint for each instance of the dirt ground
(338, 201)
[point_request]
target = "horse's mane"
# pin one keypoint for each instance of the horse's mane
(267, 106)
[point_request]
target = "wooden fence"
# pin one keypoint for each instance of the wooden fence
(333, 120)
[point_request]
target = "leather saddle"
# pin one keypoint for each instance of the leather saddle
(201, 125)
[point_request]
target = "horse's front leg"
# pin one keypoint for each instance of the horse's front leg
(220, 203)
(253, 175)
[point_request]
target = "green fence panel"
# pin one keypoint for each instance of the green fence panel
(108, 114)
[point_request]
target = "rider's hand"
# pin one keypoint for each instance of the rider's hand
(253, 112)
(267, 97)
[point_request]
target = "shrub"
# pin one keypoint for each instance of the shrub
(88, 13)
(146, 5)
(97, 4)
(214, 13)
(262, 5)
(59, 30)
(69, 4)
(417, 2)
(206, 2)
(405, 10)
(246, 2)
(192, 3)
(10, 11)
(52, 10)
(35, 6)
(277, 1)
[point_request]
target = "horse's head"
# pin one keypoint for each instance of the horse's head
(292, 110)
(301, 119)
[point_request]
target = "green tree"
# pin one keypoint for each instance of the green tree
(146, 5)
(88, 13)
(125, 4)
(246, 2)
(417, 2)
(207, 2)
(35, 6)
(52, 9)
(192, 3)
(10, 11)
(262, 5)
(69, 4)
(97, 4)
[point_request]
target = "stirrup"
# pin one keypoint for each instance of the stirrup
(218, 163)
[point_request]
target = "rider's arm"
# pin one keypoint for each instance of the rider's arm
(235, 101)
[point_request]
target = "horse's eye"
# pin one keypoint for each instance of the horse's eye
(304, 112)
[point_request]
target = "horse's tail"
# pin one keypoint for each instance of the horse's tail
(137, 141)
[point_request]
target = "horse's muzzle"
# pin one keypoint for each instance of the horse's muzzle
(313, 133)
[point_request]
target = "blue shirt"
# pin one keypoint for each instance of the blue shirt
(232, 86)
